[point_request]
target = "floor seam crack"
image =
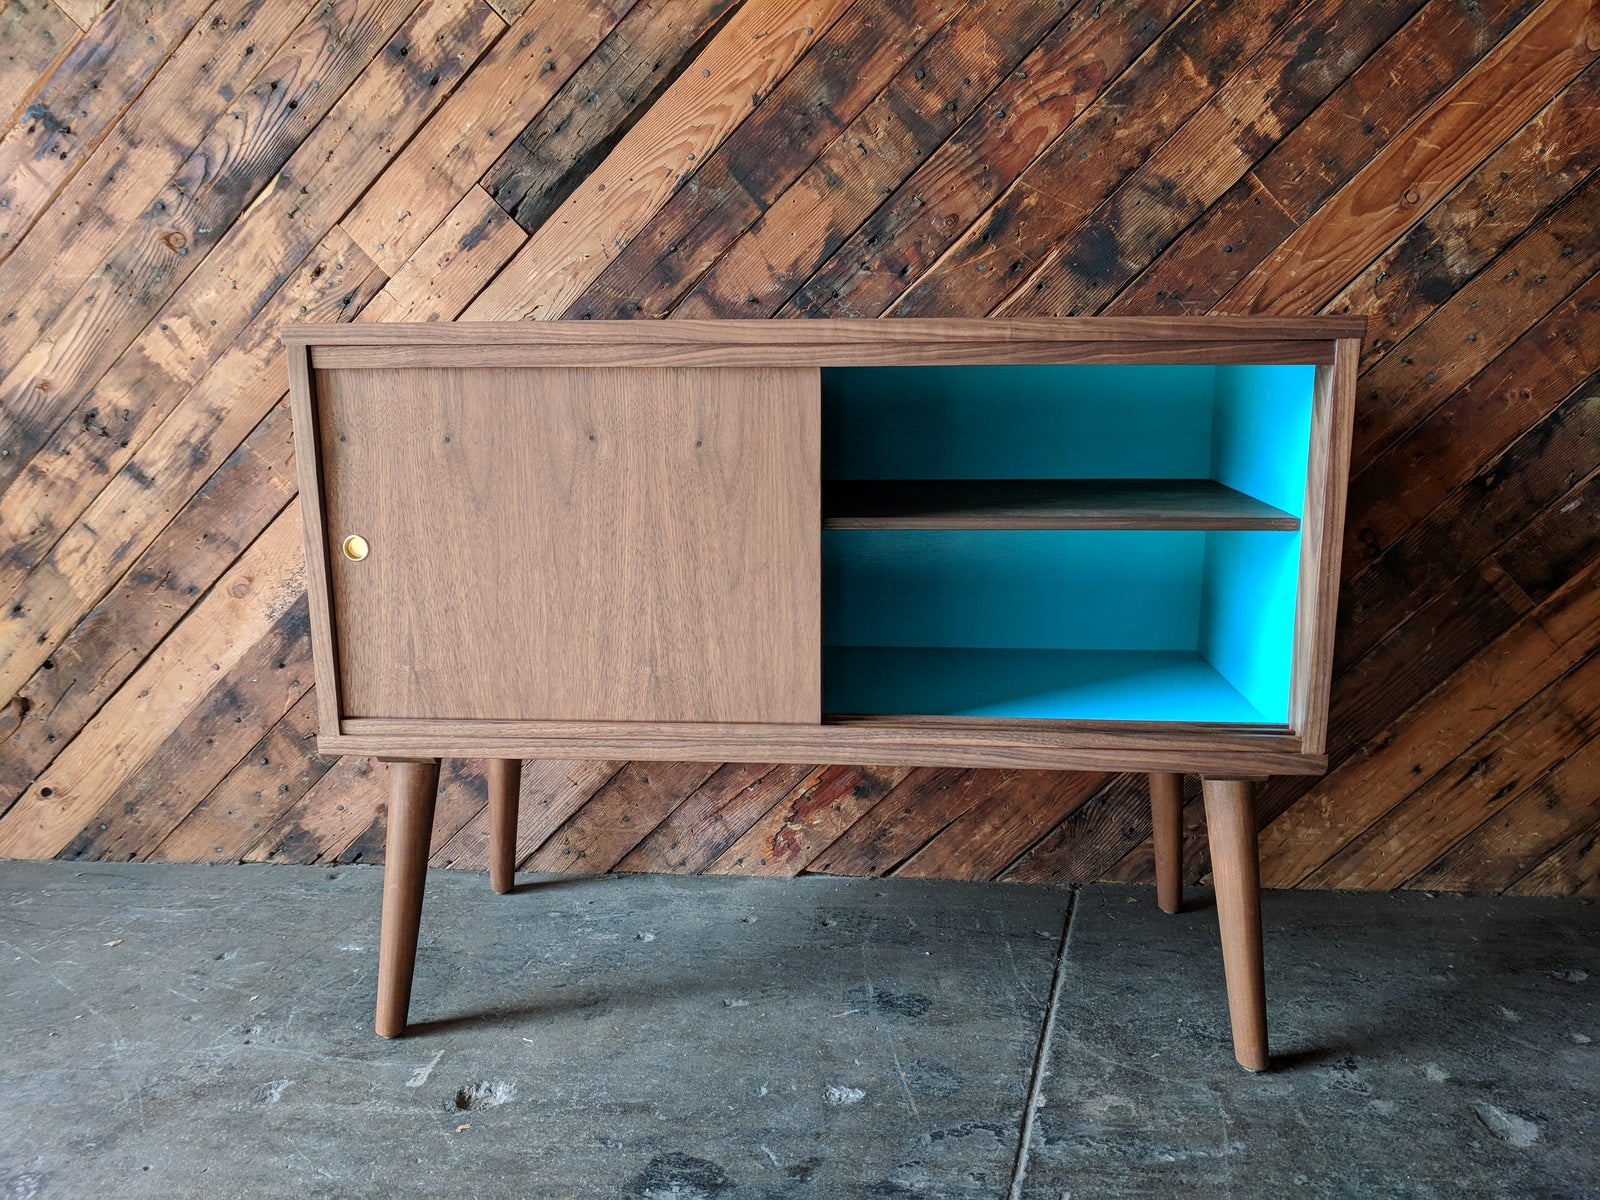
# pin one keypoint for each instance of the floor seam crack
(1041, 1058)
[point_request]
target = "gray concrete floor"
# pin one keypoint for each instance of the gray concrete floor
(190, 1031)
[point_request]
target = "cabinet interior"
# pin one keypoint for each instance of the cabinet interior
(1086, 542)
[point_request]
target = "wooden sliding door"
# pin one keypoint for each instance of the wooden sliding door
(614, 543)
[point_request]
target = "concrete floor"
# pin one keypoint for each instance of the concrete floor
(191, 1031)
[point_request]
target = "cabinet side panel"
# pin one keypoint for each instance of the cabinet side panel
(1322, 535)
(634, 544)
(308, 474)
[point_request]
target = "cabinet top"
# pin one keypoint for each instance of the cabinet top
(842, 342)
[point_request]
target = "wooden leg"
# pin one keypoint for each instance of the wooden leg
(416, 788)
(1166, 821)
(505, 778)
(1231, 829)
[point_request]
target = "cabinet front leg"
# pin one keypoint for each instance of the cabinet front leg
(1166, 824)
(1236, 871)
(505, 778)
(415, 790)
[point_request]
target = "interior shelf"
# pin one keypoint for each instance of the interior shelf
(1045, 504)
(1100, 685)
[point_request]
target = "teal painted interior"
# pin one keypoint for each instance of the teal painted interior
(1261, 432)
(1090, 624)
(1101, 624)
(1061, 685)
(1017, 422)
(1247, 609)
(1044, 589)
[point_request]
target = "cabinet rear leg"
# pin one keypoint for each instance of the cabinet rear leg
(505, 778)
(1166, 822)
(1231, 830)
(415, 791)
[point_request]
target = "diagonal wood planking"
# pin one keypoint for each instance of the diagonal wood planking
(177, 177)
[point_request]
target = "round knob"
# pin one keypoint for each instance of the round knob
(355, 547)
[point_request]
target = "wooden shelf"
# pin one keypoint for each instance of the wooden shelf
(1045, 504)
(1093, 685)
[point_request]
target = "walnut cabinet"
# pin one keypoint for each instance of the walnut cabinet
(1087, 544)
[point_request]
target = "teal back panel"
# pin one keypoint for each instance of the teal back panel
(1261, 433)
(1016, 422)
(1247, 614)
(1085, 590)
(1261, 437)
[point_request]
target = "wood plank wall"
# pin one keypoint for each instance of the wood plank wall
(179, 176)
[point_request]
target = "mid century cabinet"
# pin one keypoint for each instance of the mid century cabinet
(1095, 544)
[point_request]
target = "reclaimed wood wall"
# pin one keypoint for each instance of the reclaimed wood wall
(179, 176)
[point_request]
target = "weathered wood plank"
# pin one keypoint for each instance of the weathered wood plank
(1107, 823)
(714, 817)
(34, 36)
(153, 484)
(1546, 159)
(516, 78)
(204, 747)
(1558, 546)
(332, 813)
(1059, 78)
(618, 817)
(1459, 437)
(1489, 104)
(1320, 155)
(269, 780)
(1481, 321)
(84, 12)
(1418, 744)
(191, 213)
(119, 182)
(85, 93)
(1179, 72)
(1270, 94)
(925, 101)
(916, 811)
(1434, 643)
(625, 75)
(474, 241)
(735, 73)
(553, 790)
(1479, 782)
(850, 64)
(1572, 869)
(806, 820)
(1519, 836)
(225, 515)
(261, 586)
(1538, 471)
(992, 835)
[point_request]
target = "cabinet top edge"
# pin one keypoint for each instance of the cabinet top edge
(900, 331)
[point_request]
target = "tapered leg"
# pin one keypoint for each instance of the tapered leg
(416, 788)
(1231, 828)
(505, 777)
(1166, 821)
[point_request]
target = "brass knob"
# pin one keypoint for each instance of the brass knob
(355, 547)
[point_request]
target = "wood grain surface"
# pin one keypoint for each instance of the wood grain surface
(653, 532)
(179, 180)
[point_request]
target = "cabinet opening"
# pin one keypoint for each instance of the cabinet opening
(1245, 427)
(1113, 543)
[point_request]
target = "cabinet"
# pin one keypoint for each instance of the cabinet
(1103, 543)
